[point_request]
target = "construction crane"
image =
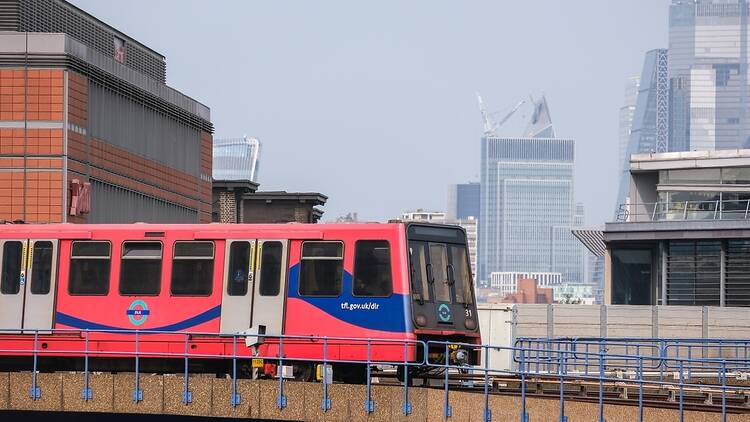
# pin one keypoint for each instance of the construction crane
(490, 127)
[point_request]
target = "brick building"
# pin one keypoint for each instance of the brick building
(530, 292)
(236, 201)
(89, 130)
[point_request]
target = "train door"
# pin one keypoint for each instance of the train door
(270, 290)
(27, 283)
(239, 277)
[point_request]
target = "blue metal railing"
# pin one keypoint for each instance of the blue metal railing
(682, 366)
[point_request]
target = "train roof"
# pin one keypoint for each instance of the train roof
(204, 231)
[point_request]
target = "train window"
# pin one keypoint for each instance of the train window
(459, 273)
(372, 268)
(239, 265)
(41, 268)
(11, 277)
(418, 267)
(140, 269)
(193, 269)
(270, 269)
(439, 267)
(89, 268)
(322, 268)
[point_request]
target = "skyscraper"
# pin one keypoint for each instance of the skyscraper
(463, 201)
(236, 159)
(648, 131)
(708, 72)
(626, 117)
(527, 210)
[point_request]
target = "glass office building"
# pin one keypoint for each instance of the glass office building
(648, 132)
(463, 201)
(527, 205)
(708, 71)
(236, 159)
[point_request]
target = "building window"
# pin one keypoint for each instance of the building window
(322, 268)
(270, 269)
(140, 269)
(693, 273)
(372, 268)
(89, 268)
(11, 277)
(192, 269)
(239, 265)
(632, 277)
(737, 284)
(41, 268)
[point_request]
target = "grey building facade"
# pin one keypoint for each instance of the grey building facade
(463, 201)
(685, 239)
(708, 71)
(527, 205)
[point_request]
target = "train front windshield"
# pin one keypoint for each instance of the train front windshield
(441, 282)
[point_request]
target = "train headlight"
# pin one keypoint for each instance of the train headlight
(462, 357)
(470, 324)
(421, 320)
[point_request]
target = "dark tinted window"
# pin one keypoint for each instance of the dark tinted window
(11, 277)
(270, 269)
(193, 268)
(372, 268)
(322, 267)
(460, 274)
(41, 268)
(438, 271)
(89, 268)
(239, 265)
(418, 268)
(140, 268)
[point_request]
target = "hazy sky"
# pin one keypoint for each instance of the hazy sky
(372, 103)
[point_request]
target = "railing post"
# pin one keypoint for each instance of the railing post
(407, 405)
(716, 209)
(522, 370)
(561, 373)
(35, 393)
(601, 381)
(447, 410)
(236, 398)
(487, 411)
(653, 215)
(187, 396)
(137, 392)
(684, 211)
(640, 388)
(369, 403)
(682, 393)
(281, 399)
(747, 208)
(723, 390)
(86, 395)
(326, 404)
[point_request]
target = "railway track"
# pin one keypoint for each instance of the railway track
(707, 398)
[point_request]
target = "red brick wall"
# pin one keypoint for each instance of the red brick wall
(42, 184)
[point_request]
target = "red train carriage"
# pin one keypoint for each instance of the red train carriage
(76, 287)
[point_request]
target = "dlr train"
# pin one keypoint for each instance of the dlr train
(316, 291)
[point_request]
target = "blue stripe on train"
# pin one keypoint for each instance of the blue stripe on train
(372, 313)
(82, 324)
